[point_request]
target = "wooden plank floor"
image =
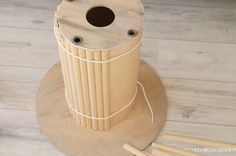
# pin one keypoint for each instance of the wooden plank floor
(190, 43)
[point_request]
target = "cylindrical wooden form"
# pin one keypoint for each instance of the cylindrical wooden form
(99, 45)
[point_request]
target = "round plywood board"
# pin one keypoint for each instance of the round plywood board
(108, 20)
(72, 139)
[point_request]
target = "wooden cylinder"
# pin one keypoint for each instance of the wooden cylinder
(99, 44)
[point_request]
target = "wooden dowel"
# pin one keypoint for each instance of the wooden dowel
(84, 80)
(77, 73)
(98, 77)
(74, 100)
(69, 89)
(106, 89)
(63, 65)
(133, 150)
(196, 141)
(174, 150)
(158, 152)
(92, 89)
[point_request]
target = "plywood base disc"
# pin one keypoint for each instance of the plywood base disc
(74, 140)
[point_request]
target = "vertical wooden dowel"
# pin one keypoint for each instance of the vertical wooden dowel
(92, 89)
(69, 89)
(77, 73)
(84, 80)
(74, 100)
(98, 77)
(106, 88)
(63, 64)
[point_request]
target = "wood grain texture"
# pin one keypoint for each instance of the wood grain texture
(169, 21)
(73, 139)
(181, 42)
(189, 100)
(23, 133)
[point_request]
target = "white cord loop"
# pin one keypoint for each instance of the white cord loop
(115, 113)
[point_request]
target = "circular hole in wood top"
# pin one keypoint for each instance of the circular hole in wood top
(132, 33)
(77, 39)
(100, 16)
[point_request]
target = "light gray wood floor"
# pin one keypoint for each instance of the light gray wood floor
(190, 43)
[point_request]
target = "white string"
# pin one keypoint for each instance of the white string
(107, 61)
(115, 113)
(146, 98)
(93, 61)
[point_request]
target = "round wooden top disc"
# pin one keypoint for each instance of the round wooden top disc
(137, 130)
(100, 24)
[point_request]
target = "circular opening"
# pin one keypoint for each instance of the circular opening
(100, 16)
(132, 33)
(77, 40)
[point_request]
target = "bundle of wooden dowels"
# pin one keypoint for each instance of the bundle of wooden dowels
(81, 86)
(98, 89)
(165, 150)
(99, 45)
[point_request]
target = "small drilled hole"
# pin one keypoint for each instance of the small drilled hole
(132, 33)
(77, 40)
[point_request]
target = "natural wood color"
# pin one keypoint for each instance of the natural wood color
(72, 76)
(73, 139)
(67, 72)
(168, 60)
(111, 41)
(99, 89)
(163, 19)
(133, 150)
(147, 153)
(63, 63)
(198, 87)
(174, 150)
(24, 126)
(158, 152)
(197, 141)
(128, 15)
(122, 88)
(78, 83)
(84, 78)
(92, 89)
(106, 89)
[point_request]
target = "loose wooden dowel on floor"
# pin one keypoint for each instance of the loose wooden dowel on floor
(174, 150)
(133, 150)
(92, 89)
(85, 88)
(98, 78)
(196, 141)
(106, 89)
(77, 72)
